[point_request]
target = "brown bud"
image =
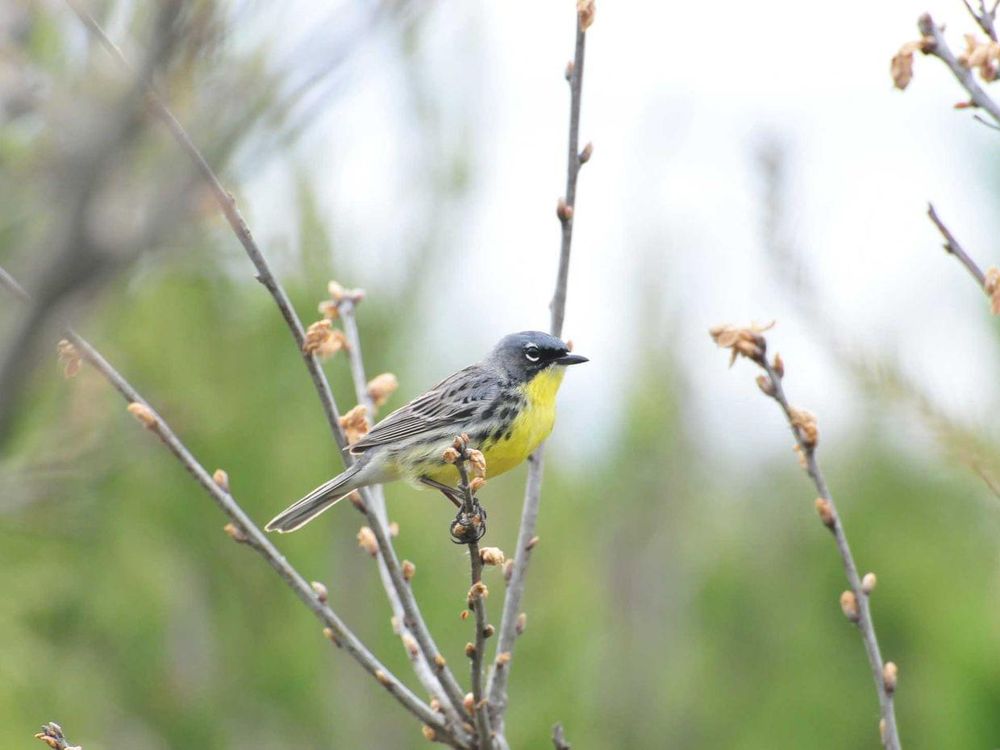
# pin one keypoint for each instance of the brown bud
(805, 424)
(355, 424)
(890, 672)
(503, 658)
(329, 309)
(464, 614)
(429, 734)
(585, 12)
(476, 484)
(409, 570)
(439, 661)
(868, 583)
(320, 590)
(570, 67)
(470, 650)
(778, 366)
(381, 387)
(144, 414)
(393, 529)
(367, 541)
(488, 631)
(435, 705)
(825, 511)
(564, 211)
(478, 462)
(450, 455)
(468, 702)
(478, 591)
(335, 290)
(491, 556)
(508, 570)
(765, 385)
(531, 543)
(221, 478)
(382, 677)
(849, 606)
(521, 623)
(235, 533)
(585, 155)
(323, 340)
(410, 644)
(356, 500)
(331, 636)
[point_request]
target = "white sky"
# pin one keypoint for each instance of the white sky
(677, 99)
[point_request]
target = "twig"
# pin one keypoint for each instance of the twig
(559, 738)
(249, 533)
(497, 692)
(235, 218)
(964, 75)
(952, 246)
(985, 18)
(426, 664)
(477, 593)
(412, 617)
(52, 735)
(749, 343)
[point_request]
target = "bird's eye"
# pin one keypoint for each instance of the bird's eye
(531, 353)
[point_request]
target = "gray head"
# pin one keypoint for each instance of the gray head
(523, 355)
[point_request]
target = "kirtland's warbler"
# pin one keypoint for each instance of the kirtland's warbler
(506, 404)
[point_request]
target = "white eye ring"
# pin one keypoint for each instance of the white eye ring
(531, 353)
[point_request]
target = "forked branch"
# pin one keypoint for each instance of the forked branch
(244, 530)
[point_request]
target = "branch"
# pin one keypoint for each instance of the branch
(749, 343)
(236, 221)
(985, 18)
(939, 49)
(244, 530)
(952, 246)
(52, 735)
(428, 664)
(412, 617)
(526, 538)
(471, 522)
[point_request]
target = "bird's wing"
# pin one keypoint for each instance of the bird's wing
(452, 402)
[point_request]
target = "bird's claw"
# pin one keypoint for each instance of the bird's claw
(468, 527)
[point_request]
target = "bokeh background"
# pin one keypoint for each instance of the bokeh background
(751, 162)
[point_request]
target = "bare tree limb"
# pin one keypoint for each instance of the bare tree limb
(497, 693)
(470, 514)
(749, 343)
(412, 617)
(952, 246)
(426, 663)
(248, 532)
(236, 221)
(964, 75)
(985, 18)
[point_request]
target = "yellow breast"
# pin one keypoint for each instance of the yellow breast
(530, 427)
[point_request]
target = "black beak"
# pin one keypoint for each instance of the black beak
(571, 359)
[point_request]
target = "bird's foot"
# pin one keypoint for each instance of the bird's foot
(469, 526)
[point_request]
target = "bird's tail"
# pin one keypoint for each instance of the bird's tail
(325, 496)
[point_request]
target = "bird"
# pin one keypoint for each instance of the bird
(505, 404)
